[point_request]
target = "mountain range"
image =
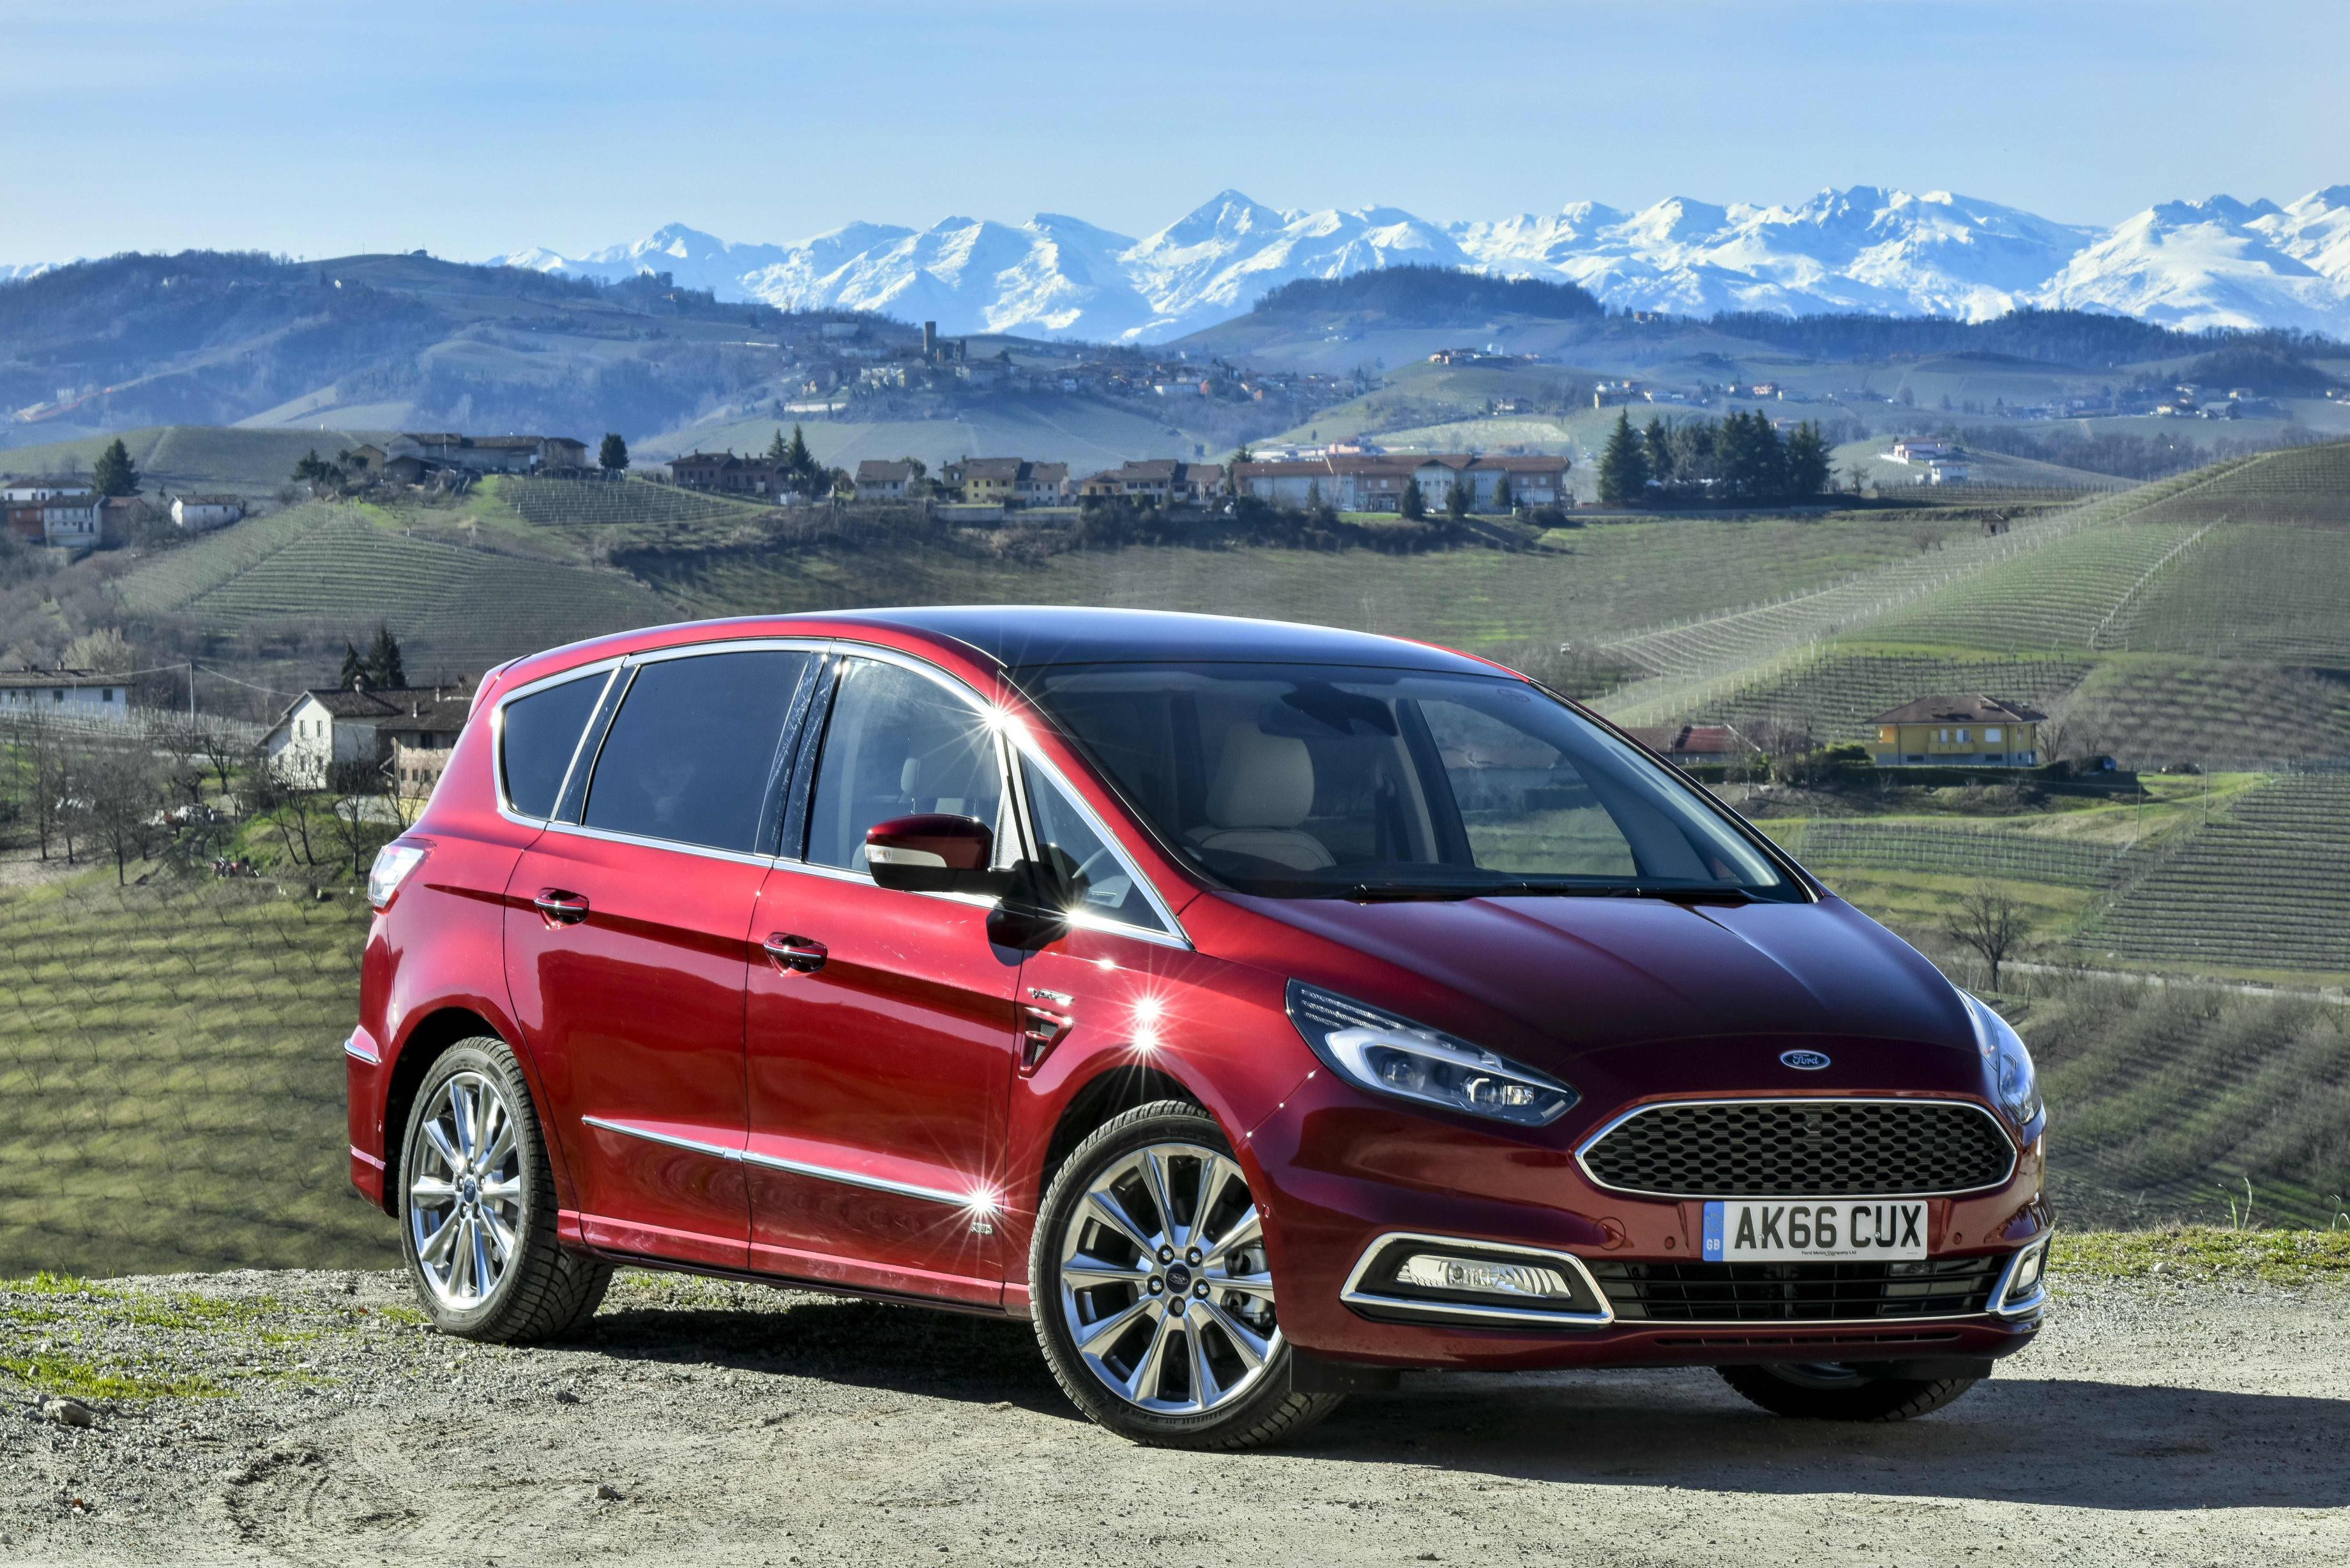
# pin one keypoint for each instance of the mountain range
(2219, 262)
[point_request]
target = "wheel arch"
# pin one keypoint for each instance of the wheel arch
(1117, 1087)
(425, 1041)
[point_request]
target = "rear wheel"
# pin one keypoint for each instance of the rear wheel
(1152, 1296)
(477, 1206)
(1830, 1391)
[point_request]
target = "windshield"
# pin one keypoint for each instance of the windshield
(1298, 780)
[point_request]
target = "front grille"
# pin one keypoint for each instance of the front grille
(1802, 1149)
(1796, 1292)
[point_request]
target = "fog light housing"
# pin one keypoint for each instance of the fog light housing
(2026, 1281)
(1470, 1282)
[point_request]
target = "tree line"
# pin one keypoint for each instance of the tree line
(1739, 460)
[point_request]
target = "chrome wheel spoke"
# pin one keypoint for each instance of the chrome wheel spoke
(467, 1205)
(442, 1145)
(432, 1191)
(435, 1246)
(1187, 1326)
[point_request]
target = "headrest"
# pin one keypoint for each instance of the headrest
(1263, 781)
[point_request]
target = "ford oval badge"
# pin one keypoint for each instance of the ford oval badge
(1803, 1061)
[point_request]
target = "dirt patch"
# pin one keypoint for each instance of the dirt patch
(2155, 1423)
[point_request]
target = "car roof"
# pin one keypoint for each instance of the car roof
(1022, 637)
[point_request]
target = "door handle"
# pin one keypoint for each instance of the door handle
(804, 955)
(561, 909)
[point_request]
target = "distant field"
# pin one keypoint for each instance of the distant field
(172, 1085)
(1837, 692)
(2153, 710)
(2296, 484)
(1601, 580)
(1088, 434)
(2251, 590)
(2060, 597)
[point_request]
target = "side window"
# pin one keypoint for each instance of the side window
(1107, 887)
(537, 737)
(693, 749)
(898, 743)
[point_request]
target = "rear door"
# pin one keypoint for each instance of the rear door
(628, 938)
(881, 1025)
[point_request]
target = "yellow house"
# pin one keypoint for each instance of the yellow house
(1958, 732)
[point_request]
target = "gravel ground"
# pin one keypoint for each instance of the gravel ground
(319, 1423)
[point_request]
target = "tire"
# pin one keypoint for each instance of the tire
(1213, 1374)
(1834, 1393)
(531, 1288)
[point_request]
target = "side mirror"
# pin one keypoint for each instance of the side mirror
(933, 853)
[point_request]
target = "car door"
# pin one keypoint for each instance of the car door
(629, 935)
(881, 1025)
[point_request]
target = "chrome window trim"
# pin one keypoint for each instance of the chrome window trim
(2026, 1307)
(798, 1168)
(358, 1052)
(675, 847)
(609, 667)
(1354, 1295)
(1011, 734)
(1585, 1148)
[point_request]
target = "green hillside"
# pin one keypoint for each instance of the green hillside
(454, 608)
(175, 456)
(1088, 434)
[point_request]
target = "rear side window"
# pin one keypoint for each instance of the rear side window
(692, 750)
(537, 737)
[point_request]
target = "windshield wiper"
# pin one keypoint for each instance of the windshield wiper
(1391, 892)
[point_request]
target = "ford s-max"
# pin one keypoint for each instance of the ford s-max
(1258, 1010)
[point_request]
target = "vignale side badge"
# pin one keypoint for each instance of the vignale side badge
(1803, 1061)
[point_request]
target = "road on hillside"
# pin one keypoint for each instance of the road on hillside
(723, 1425)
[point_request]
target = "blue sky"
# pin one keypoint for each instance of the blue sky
(321, 127)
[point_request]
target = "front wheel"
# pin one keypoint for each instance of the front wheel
(1830, 1391)
(477, 1210)
(1152, 1295)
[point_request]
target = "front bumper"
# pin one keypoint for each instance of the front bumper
(1344, 1177)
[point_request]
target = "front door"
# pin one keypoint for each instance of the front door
(629, 935)
(881, 1025)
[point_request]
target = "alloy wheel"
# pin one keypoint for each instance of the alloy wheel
(465, 1193)
(1165, 1287)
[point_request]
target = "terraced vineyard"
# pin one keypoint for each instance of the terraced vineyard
(2252, 591)
(1955, 851)
(1835, 693)
(170, 1094)
(591, 502)
(2058, 598)
(170, 580)
(2151, 710)
(2265, 889)
(2302, 484)
(454, 608)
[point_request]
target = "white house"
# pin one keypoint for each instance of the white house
(1918, 449)
(51, 511)
(326, 726)
(193, 511)
(67, 694)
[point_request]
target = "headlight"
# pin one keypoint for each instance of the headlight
(393, 862)
(2019, 1083)
(1390, 1055)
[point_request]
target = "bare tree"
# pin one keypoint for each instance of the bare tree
(176, 739)
(221, 751)
(44, 773)
(364, 817)
(294, 812)
(118, 789)
(1987, 920)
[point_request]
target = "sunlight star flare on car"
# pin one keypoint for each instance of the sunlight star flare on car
(1257, 1010)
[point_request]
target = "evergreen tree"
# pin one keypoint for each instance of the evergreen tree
(355, 670)
(114, 473)
(1456, 499)
(777, 451)
(1505, 501)
(1623, 466)
(384, 669)
(801, 463)
(1809, 469)
(313, 470)
(1658, 441)
(1413, 505)
(612, 457)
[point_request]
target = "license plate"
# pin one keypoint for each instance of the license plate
(1741, 1232)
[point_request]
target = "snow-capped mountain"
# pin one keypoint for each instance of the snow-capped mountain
(2214, 263)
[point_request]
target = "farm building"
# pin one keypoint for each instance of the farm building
(726, 475)
(1967, 731)
(51, 511)
(881, 480)
(66, 694)
(324, 726)
(488, 454)
(1375, 483)
(1009, 481)
(1694, 743)
(193, 512)
(1163, 481)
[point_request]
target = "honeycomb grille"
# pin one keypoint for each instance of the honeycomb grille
(1796, 1292)
(1781, 1148)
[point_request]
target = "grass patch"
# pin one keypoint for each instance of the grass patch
(81, 1377)
(2200, 1253)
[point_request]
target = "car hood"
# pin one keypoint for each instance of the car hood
(1574, 979)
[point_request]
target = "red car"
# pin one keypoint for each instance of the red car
(1259, 1010)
